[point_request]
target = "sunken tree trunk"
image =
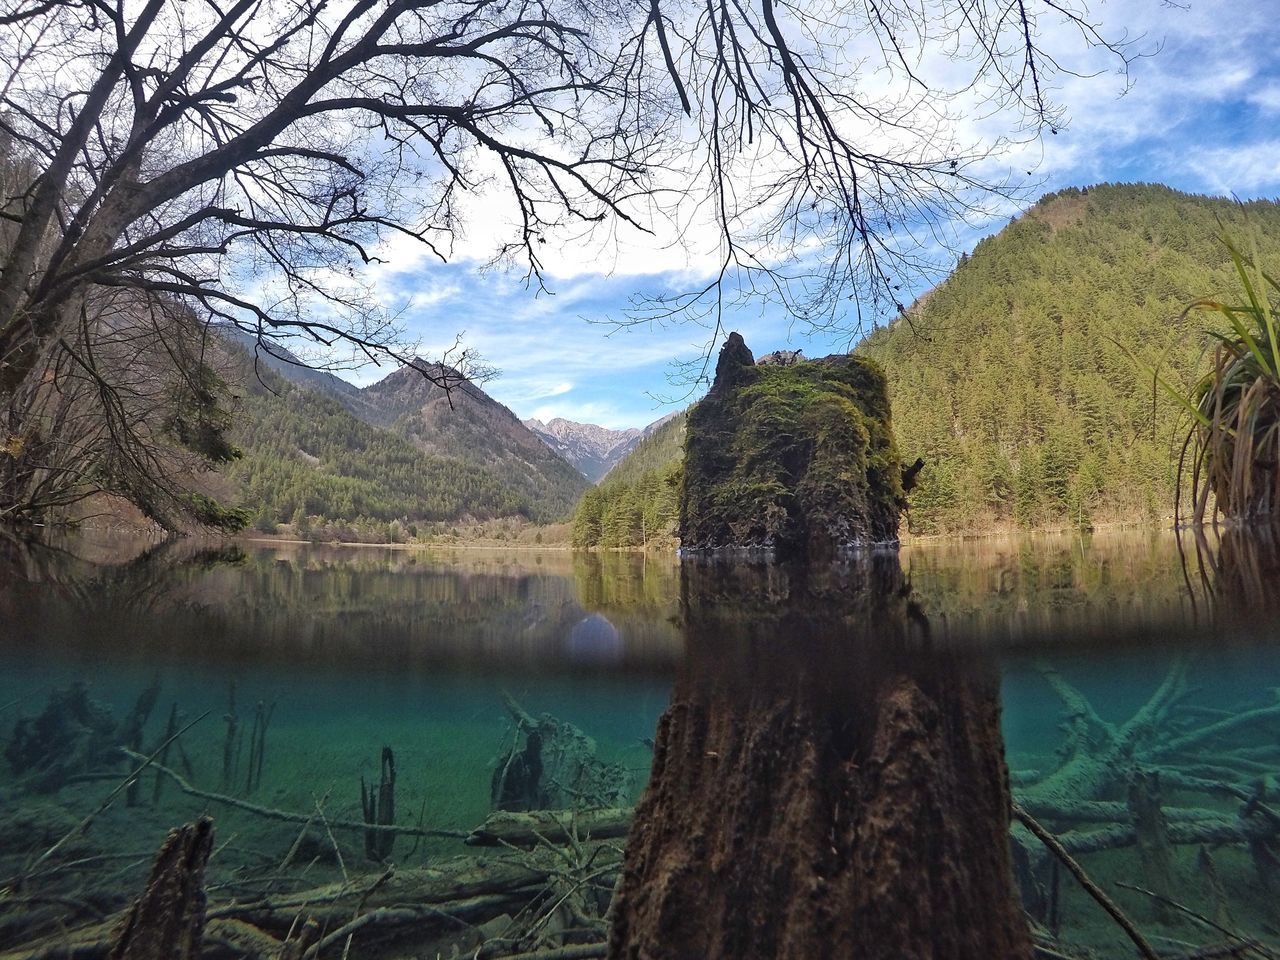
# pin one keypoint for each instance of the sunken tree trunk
(824, 783)
(821, 791)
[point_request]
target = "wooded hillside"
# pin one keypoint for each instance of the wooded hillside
(636, 504)
(1012, 379)
(309, 460)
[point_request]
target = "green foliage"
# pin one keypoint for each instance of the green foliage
(1012, 379)
(208, 512)
(799, 458)
(636, 504)
(197, 418)
(1235, 433)
(309, 462)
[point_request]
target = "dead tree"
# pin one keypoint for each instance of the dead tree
(160, 154)
(820, 790)
(167, 922)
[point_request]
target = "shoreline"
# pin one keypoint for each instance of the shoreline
(906, 540)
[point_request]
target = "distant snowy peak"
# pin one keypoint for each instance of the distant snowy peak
(591, 448)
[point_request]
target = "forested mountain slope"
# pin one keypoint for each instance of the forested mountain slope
(1011, 380)
(637, 503)
(309, 459)
(469, 424)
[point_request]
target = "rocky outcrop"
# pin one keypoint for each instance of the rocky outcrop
(797, 458)
(826, 782)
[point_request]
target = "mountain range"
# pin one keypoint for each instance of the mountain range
(594, 450)
(401, 450)
(1024, 379)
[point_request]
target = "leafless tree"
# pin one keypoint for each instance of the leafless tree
(247, 159)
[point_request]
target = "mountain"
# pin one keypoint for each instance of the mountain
(594, 450)
(1015, 378)
(403, 449)
(661, 446)
(276, 357)
(637, 503)
(466, 422)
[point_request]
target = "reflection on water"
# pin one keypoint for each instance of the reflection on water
(1140, 720)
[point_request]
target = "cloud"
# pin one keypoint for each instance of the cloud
(1245, 169)
(1187, 116)
(1266, 99)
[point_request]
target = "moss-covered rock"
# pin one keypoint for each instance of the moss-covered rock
(796, 458)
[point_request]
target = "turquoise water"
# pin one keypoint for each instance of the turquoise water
(352, 650)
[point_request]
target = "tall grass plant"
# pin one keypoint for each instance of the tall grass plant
(1231, 455)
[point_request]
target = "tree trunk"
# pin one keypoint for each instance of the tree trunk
(167, 922)
(821, 790)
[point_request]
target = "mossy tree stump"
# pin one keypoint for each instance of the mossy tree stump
(825, 784)
(796, 458)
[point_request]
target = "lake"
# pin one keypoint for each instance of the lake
(295, 692)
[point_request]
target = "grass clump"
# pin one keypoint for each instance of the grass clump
(1232, 451)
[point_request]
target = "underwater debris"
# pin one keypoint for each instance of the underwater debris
(507, 828)
(517, 778)
(1214, 891)
(258, 745)
(1159, 749)
(556, 769)
(1151, 828)
(74, 734)
(233, 744)
(132, 727)
(230, 745)
(380, 810)
(167, 921)
(171, 738)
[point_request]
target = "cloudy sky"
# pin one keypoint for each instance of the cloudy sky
(1201, 114)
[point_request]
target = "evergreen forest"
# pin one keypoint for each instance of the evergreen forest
(637, 503)
(1025, 379)
(308, 461)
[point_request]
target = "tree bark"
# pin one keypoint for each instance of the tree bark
(167, 922)
(820, 790)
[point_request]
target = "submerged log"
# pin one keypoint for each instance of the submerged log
(167, 922)
(817, 792)
(1214, 892)
(1151, 830)
(421, 903)
(552, 826)
(379, 810)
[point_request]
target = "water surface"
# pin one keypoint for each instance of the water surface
(317, 658)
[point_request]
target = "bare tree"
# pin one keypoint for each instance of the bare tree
(246, 160)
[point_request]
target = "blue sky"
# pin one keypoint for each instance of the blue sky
(1202, 114)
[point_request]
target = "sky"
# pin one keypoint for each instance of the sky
(1201, 114)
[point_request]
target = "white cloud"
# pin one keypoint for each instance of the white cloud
(1266, 99)
(1246, 168)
